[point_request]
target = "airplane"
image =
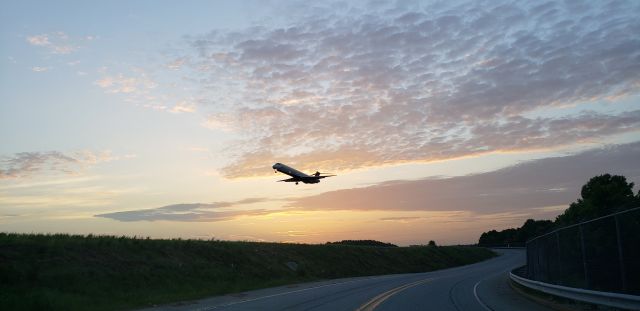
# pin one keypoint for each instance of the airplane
(298, 176)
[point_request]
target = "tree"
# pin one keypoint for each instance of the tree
(601, 195)
(499, 238)
(516, 236)
(364, 243)
(432, 243)
(533, 228)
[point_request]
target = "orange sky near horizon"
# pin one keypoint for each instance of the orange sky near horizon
(442, 120)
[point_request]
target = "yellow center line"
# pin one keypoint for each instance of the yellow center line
(377, 300)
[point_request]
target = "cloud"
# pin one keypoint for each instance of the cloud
(191, 212)
(49, 183)
(176, 64)
(537, 186)
(141, 88)
(183, 106)
(387, 84)
(126, 84)
(39, 40)
(401, 219)
(40, 69)
(57, 42)
(26, 164)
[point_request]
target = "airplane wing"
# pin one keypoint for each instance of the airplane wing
(290, 180)
(325, 176)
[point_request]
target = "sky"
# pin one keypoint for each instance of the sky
(442, 119)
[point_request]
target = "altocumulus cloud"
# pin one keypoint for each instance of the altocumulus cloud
(386, 84)
(26, 164)
(58, 42)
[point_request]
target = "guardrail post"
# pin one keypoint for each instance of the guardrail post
(623, 275)
(529, 260)
(559, 258)
(584, 258)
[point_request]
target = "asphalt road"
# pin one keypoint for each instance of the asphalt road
(478, 287)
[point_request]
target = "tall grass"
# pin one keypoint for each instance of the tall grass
(72, 272)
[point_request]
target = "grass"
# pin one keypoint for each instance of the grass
(555, 302)
(72, 272)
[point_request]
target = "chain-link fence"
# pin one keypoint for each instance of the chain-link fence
(602, 254)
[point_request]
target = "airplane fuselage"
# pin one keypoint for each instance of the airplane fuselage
(297, 176)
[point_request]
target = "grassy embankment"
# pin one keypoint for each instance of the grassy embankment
(62, 272)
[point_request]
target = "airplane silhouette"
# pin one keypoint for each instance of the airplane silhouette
(298, 176)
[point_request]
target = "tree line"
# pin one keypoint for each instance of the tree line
(601, 195)
(364, 243)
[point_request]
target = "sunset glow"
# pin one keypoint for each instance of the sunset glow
(442, 119)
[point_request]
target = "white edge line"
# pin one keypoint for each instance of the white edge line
(475, 293)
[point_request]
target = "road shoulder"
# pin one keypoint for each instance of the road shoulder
(497, 294)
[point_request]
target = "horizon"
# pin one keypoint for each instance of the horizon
(441, 119)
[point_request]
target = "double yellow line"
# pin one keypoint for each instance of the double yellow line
(377, 300)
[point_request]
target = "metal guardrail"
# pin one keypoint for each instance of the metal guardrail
(615, 300)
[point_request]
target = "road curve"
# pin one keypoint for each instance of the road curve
(478, 287)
